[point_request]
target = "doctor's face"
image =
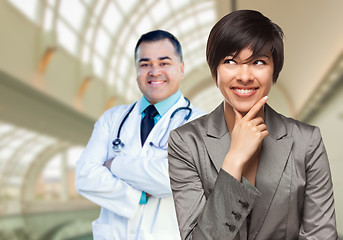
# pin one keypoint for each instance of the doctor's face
(244, 81)
(159, 70)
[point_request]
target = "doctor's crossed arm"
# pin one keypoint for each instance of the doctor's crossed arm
(124, 168)
(95, 182)
(146, 173)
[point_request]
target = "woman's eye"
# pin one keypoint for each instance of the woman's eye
(229, 61)
(260, 62)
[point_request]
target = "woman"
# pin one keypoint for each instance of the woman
(245, 171)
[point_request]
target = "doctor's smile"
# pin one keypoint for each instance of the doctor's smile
(157, 80)
(154, 82)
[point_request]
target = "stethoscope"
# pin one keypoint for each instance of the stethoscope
(118, 145)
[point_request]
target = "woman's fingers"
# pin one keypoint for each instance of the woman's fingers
(257, 121)
(254, 110)
(262, 130)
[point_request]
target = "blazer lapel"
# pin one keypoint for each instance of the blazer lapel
(217, 141)
(274, 155)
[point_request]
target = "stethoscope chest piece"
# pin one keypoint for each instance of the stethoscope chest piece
(117, 145)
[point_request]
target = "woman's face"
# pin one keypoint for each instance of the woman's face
(244, 82)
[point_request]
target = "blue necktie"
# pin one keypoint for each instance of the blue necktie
(147, 122)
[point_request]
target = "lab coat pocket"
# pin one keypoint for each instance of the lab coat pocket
(102, 231)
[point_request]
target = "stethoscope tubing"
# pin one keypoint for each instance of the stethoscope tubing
(124, 119)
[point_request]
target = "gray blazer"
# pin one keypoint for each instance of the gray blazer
(292, 197)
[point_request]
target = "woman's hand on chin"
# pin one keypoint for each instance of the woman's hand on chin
(246, 136)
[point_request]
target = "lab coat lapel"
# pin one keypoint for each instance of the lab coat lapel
(161, 126)
(217, 141)
(130, 129)
(273, 158)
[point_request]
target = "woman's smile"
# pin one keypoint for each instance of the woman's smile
(244, 92)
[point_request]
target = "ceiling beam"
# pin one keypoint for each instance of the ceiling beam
(27, 107)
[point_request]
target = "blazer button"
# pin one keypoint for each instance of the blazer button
(244, 204)
(232, 228)
(237, 215)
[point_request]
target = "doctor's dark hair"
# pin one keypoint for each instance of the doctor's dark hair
(241, 29)
(158, 35)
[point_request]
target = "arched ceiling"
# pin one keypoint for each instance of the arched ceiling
(102, 35)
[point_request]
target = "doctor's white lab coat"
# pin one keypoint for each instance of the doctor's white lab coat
(133, 170)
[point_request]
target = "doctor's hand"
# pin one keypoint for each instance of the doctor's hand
(246, 137)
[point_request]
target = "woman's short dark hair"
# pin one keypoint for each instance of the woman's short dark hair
(241, 29)
(158, 35)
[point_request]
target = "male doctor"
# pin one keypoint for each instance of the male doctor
(128, 177)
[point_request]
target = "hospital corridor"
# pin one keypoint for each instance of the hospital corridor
(63, 63)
